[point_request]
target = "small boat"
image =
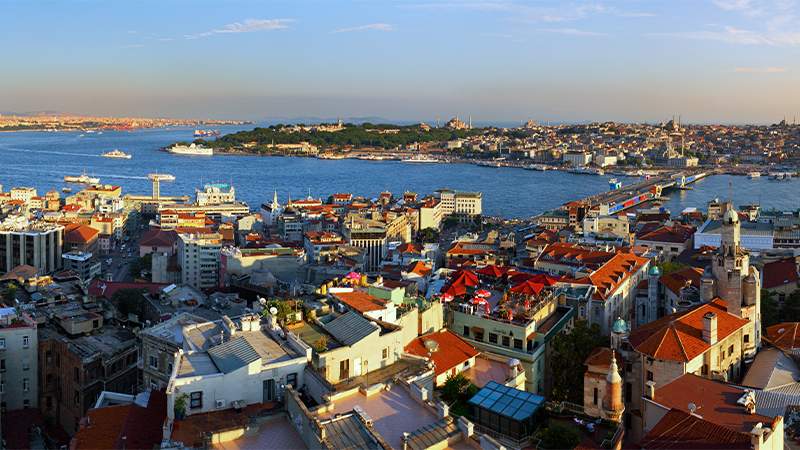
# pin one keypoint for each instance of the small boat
(119, 154)
(66, 190)
(206, 133)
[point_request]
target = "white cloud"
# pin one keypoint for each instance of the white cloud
(246, 26)
(368, 27)
(733, 35)
(760, 70)
(133, 46)
(572, 32)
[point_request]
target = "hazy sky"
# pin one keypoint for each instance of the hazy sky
(633, 60)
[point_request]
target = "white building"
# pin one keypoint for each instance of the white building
(36, 244)
(577, 159)
(232, 366)
(755, 236)
(23, 193)
(199, 256)
(18, 360)
(216, 194)
(469, 204)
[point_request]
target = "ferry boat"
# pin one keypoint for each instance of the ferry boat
(420, 159)
(539, 167)
(66, 190)
(119, 154)
(81, 179)
(752, 175)
(206, 133)
(191, 150)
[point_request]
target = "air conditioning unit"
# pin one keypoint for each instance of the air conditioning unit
(220, 404)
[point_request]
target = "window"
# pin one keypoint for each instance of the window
(479, 336)
(628, 367)
(196, 400)
(704, 370)
(506, 341)
(26, 341)
(76, 375)
(493, 338)
(2, 343)
(594, 401)
(2, 365)
(466, 331)
(26, 385)
(628, 392)
(385, 353)
(518, 344)
(291, 379)
(26, 365)
(746, 338)
(153, 362)
(649, 375)
(77, 398)
(2, 387)
(730, 350)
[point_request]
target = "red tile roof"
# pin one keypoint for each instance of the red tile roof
(493, 271)
(679, 336)
(785, 335)
(715, 401)
(157, 237)
(681, 430)
(106, 289)
(614, 272)
(123, 426)
(419, 268)
(452, 352)
(79, 234)
(676, 234)
(528, 287)
(361, 301)
(677, 280)
(574, 255)
(780, 273)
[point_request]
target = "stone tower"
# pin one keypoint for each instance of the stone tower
(612, 403)
(734, 280)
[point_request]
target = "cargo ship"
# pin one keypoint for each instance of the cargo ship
(191, 150)
(119, 154)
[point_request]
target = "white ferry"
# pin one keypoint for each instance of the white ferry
(420, 159)
(191, 149)
(119, 154)
(752, 175)
(81, 179)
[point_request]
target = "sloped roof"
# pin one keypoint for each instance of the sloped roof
(79, 234)
(785, 335)
(675, 281)
(350, 328)
(233, 354)
(675, 234)
(780, 273)
(124, 426)
(771, 369)
(616, 270)
(158, 238)
(361, 301)
(528, 287)
(716, 401)
(681, 430)
(452, 351)
(106, 289)
(679, 336)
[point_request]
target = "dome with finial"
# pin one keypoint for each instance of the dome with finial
(730, 216)
(655, 271)
(619, 326)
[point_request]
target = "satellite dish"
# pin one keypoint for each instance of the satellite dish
(262, 300)
(692, 408)
(273, 310)
(431, 345)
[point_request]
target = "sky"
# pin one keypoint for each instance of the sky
(712, 61)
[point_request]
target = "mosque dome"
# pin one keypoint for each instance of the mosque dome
(619, 326)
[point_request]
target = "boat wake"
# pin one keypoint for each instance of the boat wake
(46, 152)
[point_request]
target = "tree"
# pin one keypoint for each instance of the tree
(569, 351)
(429, 235)
(141, 264)
(770, 310)
(791, 308)
(129, 301)
(671, 266)
(10, 294)
(322, 344)
(559, 436)
(455, 387)
(284, 309)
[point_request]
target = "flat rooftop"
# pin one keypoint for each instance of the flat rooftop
(274, 433)
(392, 412)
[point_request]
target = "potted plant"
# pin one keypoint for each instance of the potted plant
(180, 406)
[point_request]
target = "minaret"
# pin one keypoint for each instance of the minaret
(612, 403)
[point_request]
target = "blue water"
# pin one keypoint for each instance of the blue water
(41, 160)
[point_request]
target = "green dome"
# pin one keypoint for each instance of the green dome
(619, 326)
(655, 271)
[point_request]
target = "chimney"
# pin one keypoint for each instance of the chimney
(710, 328)
(650, 390)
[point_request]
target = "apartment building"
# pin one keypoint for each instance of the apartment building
(199, 259)
(18, 361)
(462, 204)
(369, 235)
(36, 244)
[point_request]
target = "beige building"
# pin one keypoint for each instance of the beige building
(18, 361)
(199, 258)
